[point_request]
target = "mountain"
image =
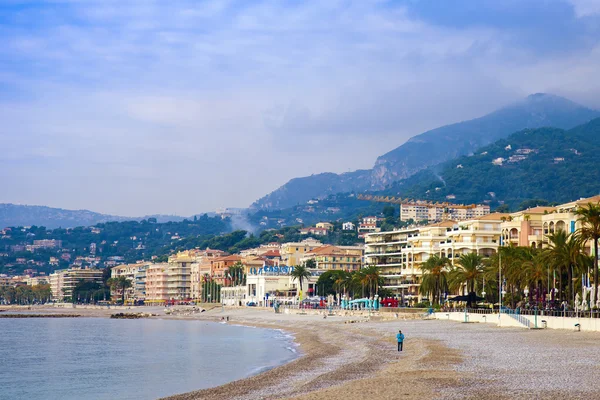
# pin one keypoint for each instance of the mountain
(319, 186)
(24, 215)
(434, 147)
(548, 163)
(450, 141)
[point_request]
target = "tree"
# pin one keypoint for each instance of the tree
(310, 263)
(467, 272)
(589, 217)
(236, 274)
(300, 273)
(369, 278)
(435, 277)
(564, 253)
(120, 283)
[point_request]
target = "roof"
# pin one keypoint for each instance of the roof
(538, 210)
(594, 199)
(272, 253)
(491, 217)
(444, 224)
(334, 250)
(228, 258)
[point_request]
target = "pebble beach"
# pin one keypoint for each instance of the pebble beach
(442, 359)
(352, 357)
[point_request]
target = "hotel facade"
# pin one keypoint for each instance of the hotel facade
(399, 254)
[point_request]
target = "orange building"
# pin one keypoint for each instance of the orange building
(220, 265)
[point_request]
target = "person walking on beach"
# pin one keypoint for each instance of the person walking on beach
(400, 338)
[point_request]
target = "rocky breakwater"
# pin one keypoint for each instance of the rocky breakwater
(132, 315)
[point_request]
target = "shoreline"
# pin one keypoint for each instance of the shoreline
(329, 367)
(442, 359)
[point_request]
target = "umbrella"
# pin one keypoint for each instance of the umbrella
(471, 296)
(592, 297)
(577, 300)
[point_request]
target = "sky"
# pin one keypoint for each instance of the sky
(137, 107)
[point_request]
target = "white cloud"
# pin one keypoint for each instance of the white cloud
(230, 99)
(584, 8)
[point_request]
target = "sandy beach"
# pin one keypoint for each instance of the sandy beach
(442, 359)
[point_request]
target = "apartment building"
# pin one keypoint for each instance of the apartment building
(157, 291)
(328, 257)
(220, 266)
(388, 252)
(531, 227)
(179, 276)
(480, 235)
(292, 253)
(525, 228)
(325, 225)
(63, 282)
(136, 273)
(314, 231)
(435, 212)
(400, 254)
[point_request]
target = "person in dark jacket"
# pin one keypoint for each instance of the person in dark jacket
(400, 338)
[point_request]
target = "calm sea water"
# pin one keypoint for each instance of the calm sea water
(99, 358)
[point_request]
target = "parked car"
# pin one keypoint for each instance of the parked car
(251, 304)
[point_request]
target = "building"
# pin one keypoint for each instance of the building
(400, 254)
(325, 225)
(525, 228)
(480, 235)
(47, 244)
(531, 227)
(157, 291)
(202, 269)
(314, 231)
(36, 280)
(234, 295)
(368, 225)
(328, 257)
(348, 226)
(270, 283)
(179, 276)
(221, 264)
(63, 282)
(136, 273)
(292, 252)
(434, 212)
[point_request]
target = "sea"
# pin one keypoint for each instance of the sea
(101, 358)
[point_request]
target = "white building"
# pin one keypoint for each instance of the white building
(348, 226)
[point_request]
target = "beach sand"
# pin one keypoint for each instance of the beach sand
(442, 359)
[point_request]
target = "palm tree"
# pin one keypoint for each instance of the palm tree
(536, 272)
(370, 279)
(589, 216)
(435, 277)
(468, 272)
(119, 283)
(236, 274)
(300, 272)
(564, 253)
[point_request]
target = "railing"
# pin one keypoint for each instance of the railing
(517, 316)
(479, 311)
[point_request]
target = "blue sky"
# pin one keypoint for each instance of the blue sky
(142, 106)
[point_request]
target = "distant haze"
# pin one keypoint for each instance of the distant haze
(177, 107)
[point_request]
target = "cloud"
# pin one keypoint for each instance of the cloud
(143, 107)
(584, 8)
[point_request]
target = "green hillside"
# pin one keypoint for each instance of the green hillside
(546, 163)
